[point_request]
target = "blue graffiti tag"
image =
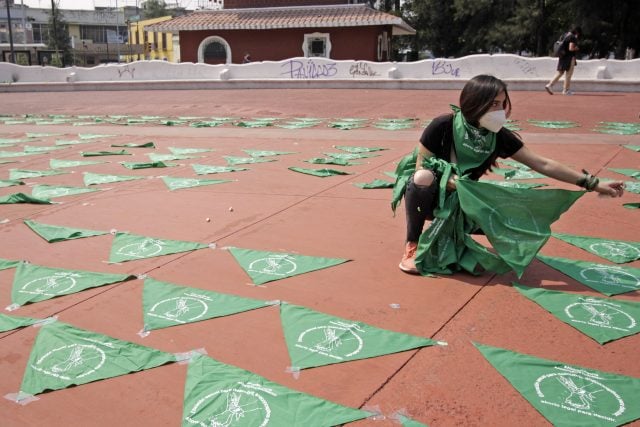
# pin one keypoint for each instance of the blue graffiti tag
(442, 67)
(295, 69)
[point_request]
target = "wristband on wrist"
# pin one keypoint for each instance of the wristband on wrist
(588, 182)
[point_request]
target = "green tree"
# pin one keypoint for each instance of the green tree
(154, 9)
(463, 27)
(389, 6)
(607, 26)
(58, 38)
(436, 28)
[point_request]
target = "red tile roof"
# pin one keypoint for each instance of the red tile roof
(283, 17)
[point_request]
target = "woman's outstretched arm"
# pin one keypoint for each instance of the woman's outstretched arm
(561, 172)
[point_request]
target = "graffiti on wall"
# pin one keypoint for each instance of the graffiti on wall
(126, 69)
(526, 67)
(444, 68)
(309, 69)
(360, 69)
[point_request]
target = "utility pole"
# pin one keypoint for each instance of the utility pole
(117, 32)
(24, 28)
(138, 29)
(13, 53)
(54, 36)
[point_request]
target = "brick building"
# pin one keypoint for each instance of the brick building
(270, 31)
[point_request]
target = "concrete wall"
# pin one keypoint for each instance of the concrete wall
(521, 74)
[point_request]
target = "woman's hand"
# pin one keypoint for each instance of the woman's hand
(451, 183)
(610, 188)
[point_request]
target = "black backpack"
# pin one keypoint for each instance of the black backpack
(559, 47)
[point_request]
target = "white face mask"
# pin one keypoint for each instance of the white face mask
(493, 120)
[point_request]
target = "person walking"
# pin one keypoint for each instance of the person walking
(566, 61)
(473, 137)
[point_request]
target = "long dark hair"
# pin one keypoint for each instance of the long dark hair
(478, 94)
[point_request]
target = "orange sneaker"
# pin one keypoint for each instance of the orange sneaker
(408, 263)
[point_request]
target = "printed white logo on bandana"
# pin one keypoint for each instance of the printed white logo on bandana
(477, 143)
(52, 192)
(577, 390)
(444, 246)
(213, 169)
(30, 174)
(105, 179)
(146, 248)
(275, 265)
(184, 183)
(513, 223)
(71, 361)
(599, 313)
(337, 340)
(241, 406)
(183, 309)
(522, 174)
(610, 275)
(615, 249)
(55, 284)
(505, 184)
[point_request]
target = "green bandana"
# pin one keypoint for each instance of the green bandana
(473, 146)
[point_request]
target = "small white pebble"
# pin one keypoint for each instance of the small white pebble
(208, 219)
(230, 209)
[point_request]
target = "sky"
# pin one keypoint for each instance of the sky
(89, 4)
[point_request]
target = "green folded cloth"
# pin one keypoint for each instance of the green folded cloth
(145, 165)
(22, 198)
(323, 173)
(376, 183)
(104, 153)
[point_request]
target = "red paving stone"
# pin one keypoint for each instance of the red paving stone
(275, 209)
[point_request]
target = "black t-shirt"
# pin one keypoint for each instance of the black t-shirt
(569, 38)
(438, 138)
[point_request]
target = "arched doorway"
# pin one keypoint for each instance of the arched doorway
(214, 50)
